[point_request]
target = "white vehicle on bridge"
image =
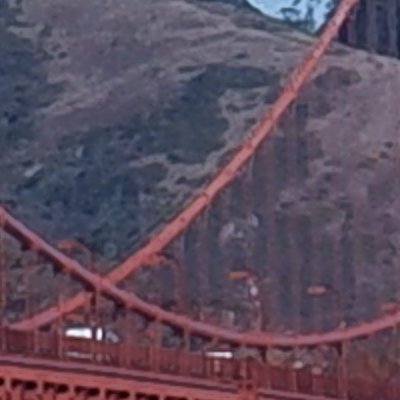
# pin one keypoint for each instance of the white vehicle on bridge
(97, 334)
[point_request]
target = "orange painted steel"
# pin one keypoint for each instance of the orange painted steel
(39, 377)
(123, 367)
(35, 364)
(23, 377)
(156, 244)
(126, 368)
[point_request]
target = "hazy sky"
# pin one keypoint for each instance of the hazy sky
(272, 7)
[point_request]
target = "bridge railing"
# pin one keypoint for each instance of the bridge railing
(195, 365)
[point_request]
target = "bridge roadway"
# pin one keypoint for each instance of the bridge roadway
(28, 377)
(47, 365)
(25, 378)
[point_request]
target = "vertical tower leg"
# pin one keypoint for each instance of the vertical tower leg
(343, 373)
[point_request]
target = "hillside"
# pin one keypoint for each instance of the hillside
(113, 114)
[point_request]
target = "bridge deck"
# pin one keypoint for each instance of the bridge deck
(42, 375)
(22, 375)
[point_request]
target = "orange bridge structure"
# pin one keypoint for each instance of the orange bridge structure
(234, 314)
